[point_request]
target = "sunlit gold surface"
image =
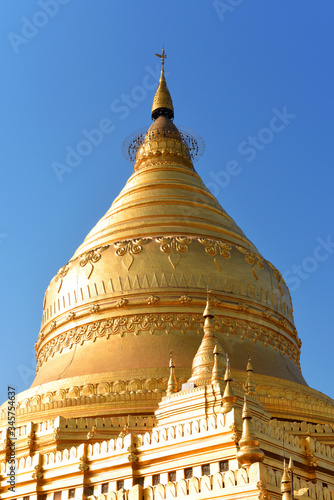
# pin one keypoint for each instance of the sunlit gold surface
(136, 287)
(112, 414)
(142, 272)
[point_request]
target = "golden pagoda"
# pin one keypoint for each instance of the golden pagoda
(136, 395)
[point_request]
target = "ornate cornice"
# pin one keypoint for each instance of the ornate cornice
(162, 151)
(174, 247)
(296, 399)
(169, 244)
(163, 323)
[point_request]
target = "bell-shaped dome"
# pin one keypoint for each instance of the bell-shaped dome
(136, 287)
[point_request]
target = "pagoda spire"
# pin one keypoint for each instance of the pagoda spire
(286, 484)
(162, 101)
(249, 385)
(249, 451)
(229, 398)
(217, 375)
(203, 362)
(172, 382)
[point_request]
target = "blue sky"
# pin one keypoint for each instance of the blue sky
(233, 66)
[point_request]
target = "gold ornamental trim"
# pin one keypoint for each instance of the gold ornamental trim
(91, 257)
(216, 248)
(128, 248)
(163, 152)
(278, 276)
(60, 275)
(291, 400)
(253, 259)
(165, 323)
(174, 247)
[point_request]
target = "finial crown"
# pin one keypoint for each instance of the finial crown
(245, 410)
(208, 312)
(171, 362)
(227, 376)
(172, 382)
(286, 476)
(162, 56)
(249, 367)
(162, 101)
(249, 385)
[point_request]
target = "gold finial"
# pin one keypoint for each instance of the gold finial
(162, 102)
(172, 382)
(286, 483)
(228, 375)
(249, 450)
(229, 398)
(291, 466)
(163, 56)
(217, 375)
(208, 312)
(245, 410)
(249, 386)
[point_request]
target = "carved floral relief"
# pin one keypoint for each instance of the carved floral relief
(91, 257)
(128, 248)
(174, 247)
(252, 258)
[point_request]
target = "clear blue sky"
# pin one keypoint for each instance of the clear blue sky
(67, 64)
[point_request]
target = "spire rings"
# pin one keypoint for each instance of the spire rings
(194, 142)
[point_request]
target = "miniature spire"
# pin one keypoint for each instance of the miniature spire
(228, 375)
(229, 398)
(172, 382)
(290, 469)
(249, 386)
(162, 102)
(291, 466)
(208, 312)
(286, 483)
(217, 375)
(249, 450)
(203, 361)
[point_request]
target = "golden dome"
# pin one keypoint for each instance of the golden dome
(136, 287)
(148, 261)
